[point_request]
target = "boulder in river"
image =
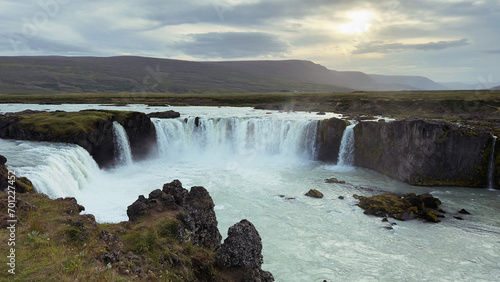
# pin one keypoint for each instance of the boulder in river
(314, 193)
(402, 207)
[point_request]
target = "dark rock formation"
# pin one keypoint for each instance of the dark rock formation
(4, 173)
(141, 134)
(196, 206)
(166, 114)
(313, 193)
(240, 257)
(424, 153)
(93, 130)
(401, 207)
(202, 219)
(334, 180)
(242, 249)
(328, 140)
(21, 184)
(464, 211)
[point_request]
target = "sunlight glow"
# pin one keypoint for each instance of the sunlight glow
(360, 22)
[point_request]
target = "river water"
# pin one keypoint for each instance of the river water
(258, 165)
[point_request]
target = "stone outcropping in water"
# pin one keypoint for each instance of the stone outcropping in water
(329, 137)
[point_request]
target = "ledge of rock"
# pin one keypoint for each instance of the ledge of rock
(166, 114)
(91, 129)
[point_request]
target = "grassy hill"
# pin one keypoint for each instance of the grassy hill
(54, 74)
(29, 75)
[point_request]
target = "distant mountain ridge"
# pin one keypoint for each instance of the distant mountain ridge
(418, 82)
(51, 74)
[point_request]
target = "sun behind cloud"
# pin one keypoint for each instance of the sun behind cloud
(360, 22)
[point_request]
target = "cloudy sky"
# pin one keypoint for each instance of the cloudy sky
(445, 40)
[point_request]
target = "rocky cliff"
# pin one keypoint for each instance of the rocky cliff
(328, 139)
(91, 129)
(425, 153)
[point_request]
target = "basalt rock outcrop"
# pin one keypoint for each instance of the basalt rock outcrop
(91, 129)
(328, 140)
(242, 249)
(196, 212)
(424, 153)
(239, 257)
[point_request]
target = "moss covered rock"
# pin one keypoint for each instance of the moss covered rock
(401, 207)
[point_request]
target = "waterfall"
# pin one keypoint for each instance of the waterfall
(224, 137)
(122, 145)
(346, 151)
(61, 171)
(491, 170)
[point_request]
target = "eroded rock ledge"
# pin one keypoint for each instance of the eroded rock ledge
(91, 129)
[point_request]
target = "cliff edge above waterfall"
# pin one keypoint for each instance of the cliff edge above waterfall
(428, 153)
(91, 129)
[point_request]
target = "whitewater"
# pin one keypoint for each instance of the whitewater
(258, 165)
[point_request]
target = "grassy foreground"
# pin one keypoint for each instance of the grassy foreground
(53, 242)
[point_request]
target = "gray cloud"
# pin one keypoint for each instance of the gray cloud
(382, 47)
(495, 51)
(294, 29)
(230, 45)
